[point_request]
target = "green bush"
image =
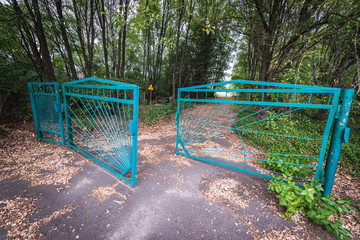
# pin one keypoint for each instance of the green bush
(320, 210)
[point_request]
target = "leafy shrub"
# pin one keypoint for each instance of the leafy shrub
(293, 170)
(320, 210)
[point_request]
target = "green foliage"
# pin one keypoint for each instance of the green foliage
(320, 210)
(303, 124)
(14, 96)
(295, 124)
(276, 164)
(154, 113)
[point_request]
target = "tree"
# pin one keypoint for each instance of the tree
(70, 57)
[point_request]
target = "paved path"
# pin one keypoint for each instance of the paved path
(175, 198)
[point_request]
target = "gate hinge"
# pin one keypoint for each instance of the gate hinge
(338, 111)
(58, 107)
(133, 127)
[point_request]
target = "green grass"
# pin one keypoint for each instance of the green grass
(153, 113)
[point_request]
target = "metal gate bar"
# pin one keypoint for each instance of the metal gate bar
(102, 123)
(204, 118)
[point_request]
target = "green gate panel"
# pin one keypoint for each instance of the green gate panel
(209, 115)
(47, 111)
(102, 123)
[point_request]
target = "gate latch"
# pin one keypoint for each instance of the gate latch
(176, 118)
(133, 129)
(58, 107)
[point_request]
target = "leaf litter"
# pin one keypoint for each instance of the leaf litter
(21, 154)
(15, 213)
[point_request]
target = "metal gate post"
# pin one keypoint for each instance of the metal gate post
(135, 136)
(67, 118)
(34, 110)
(60, 112)
(340, 135)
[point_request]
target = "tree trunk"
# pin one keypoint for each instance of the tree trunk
(164, 22)
(102, 20)
(184, 48)
(47, 68)
(65, 38)
(28, 41)
(177, 48)
(122, 71)
(117, 73)
(81, 38)
(92, 37)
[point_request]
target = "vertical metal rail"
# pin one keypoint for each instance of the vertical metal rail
(59, 109)
(135, 136)
(67, 118)
(33, 107)
(339, 136)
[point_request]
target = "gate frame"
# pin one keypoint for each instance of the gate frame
(133, 126)
(337, 112)
(57, 106)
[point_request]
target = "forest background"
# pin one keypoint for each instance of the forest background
(179, 43)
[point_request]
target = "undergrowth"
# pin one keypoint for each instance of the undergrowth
(309, 201)
(303, 124)
(154, 112)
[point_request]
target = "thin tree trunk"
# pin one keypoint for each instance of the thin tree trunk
(184, 48)
(65, 38)
(81, 37)
(102, 20)
(122, 71)
(164, 22)
(117, 72)
(48, 69)
(92, 37)
(28, 41)
(177, 48)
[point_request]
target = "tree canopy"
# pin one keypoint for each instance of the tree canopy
(177, 43)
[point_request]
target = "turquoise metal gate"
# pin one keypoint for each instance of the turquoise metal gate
(47, 111)
(209, 115)
(102, 122)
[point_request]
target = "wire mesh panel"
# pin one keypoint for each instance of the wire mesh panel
(47, 111)
(243, 125)
(101, 119)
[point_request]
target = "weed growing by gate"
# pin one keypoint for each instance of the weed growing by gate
(320, 210)
(294, 170)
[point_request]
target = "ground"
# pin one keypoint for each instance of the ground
(50, 192)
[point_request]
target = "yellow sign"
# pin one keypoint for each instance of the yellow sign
(151, 87)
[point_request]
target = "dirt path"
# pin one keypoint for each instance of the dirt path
(48, 191)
